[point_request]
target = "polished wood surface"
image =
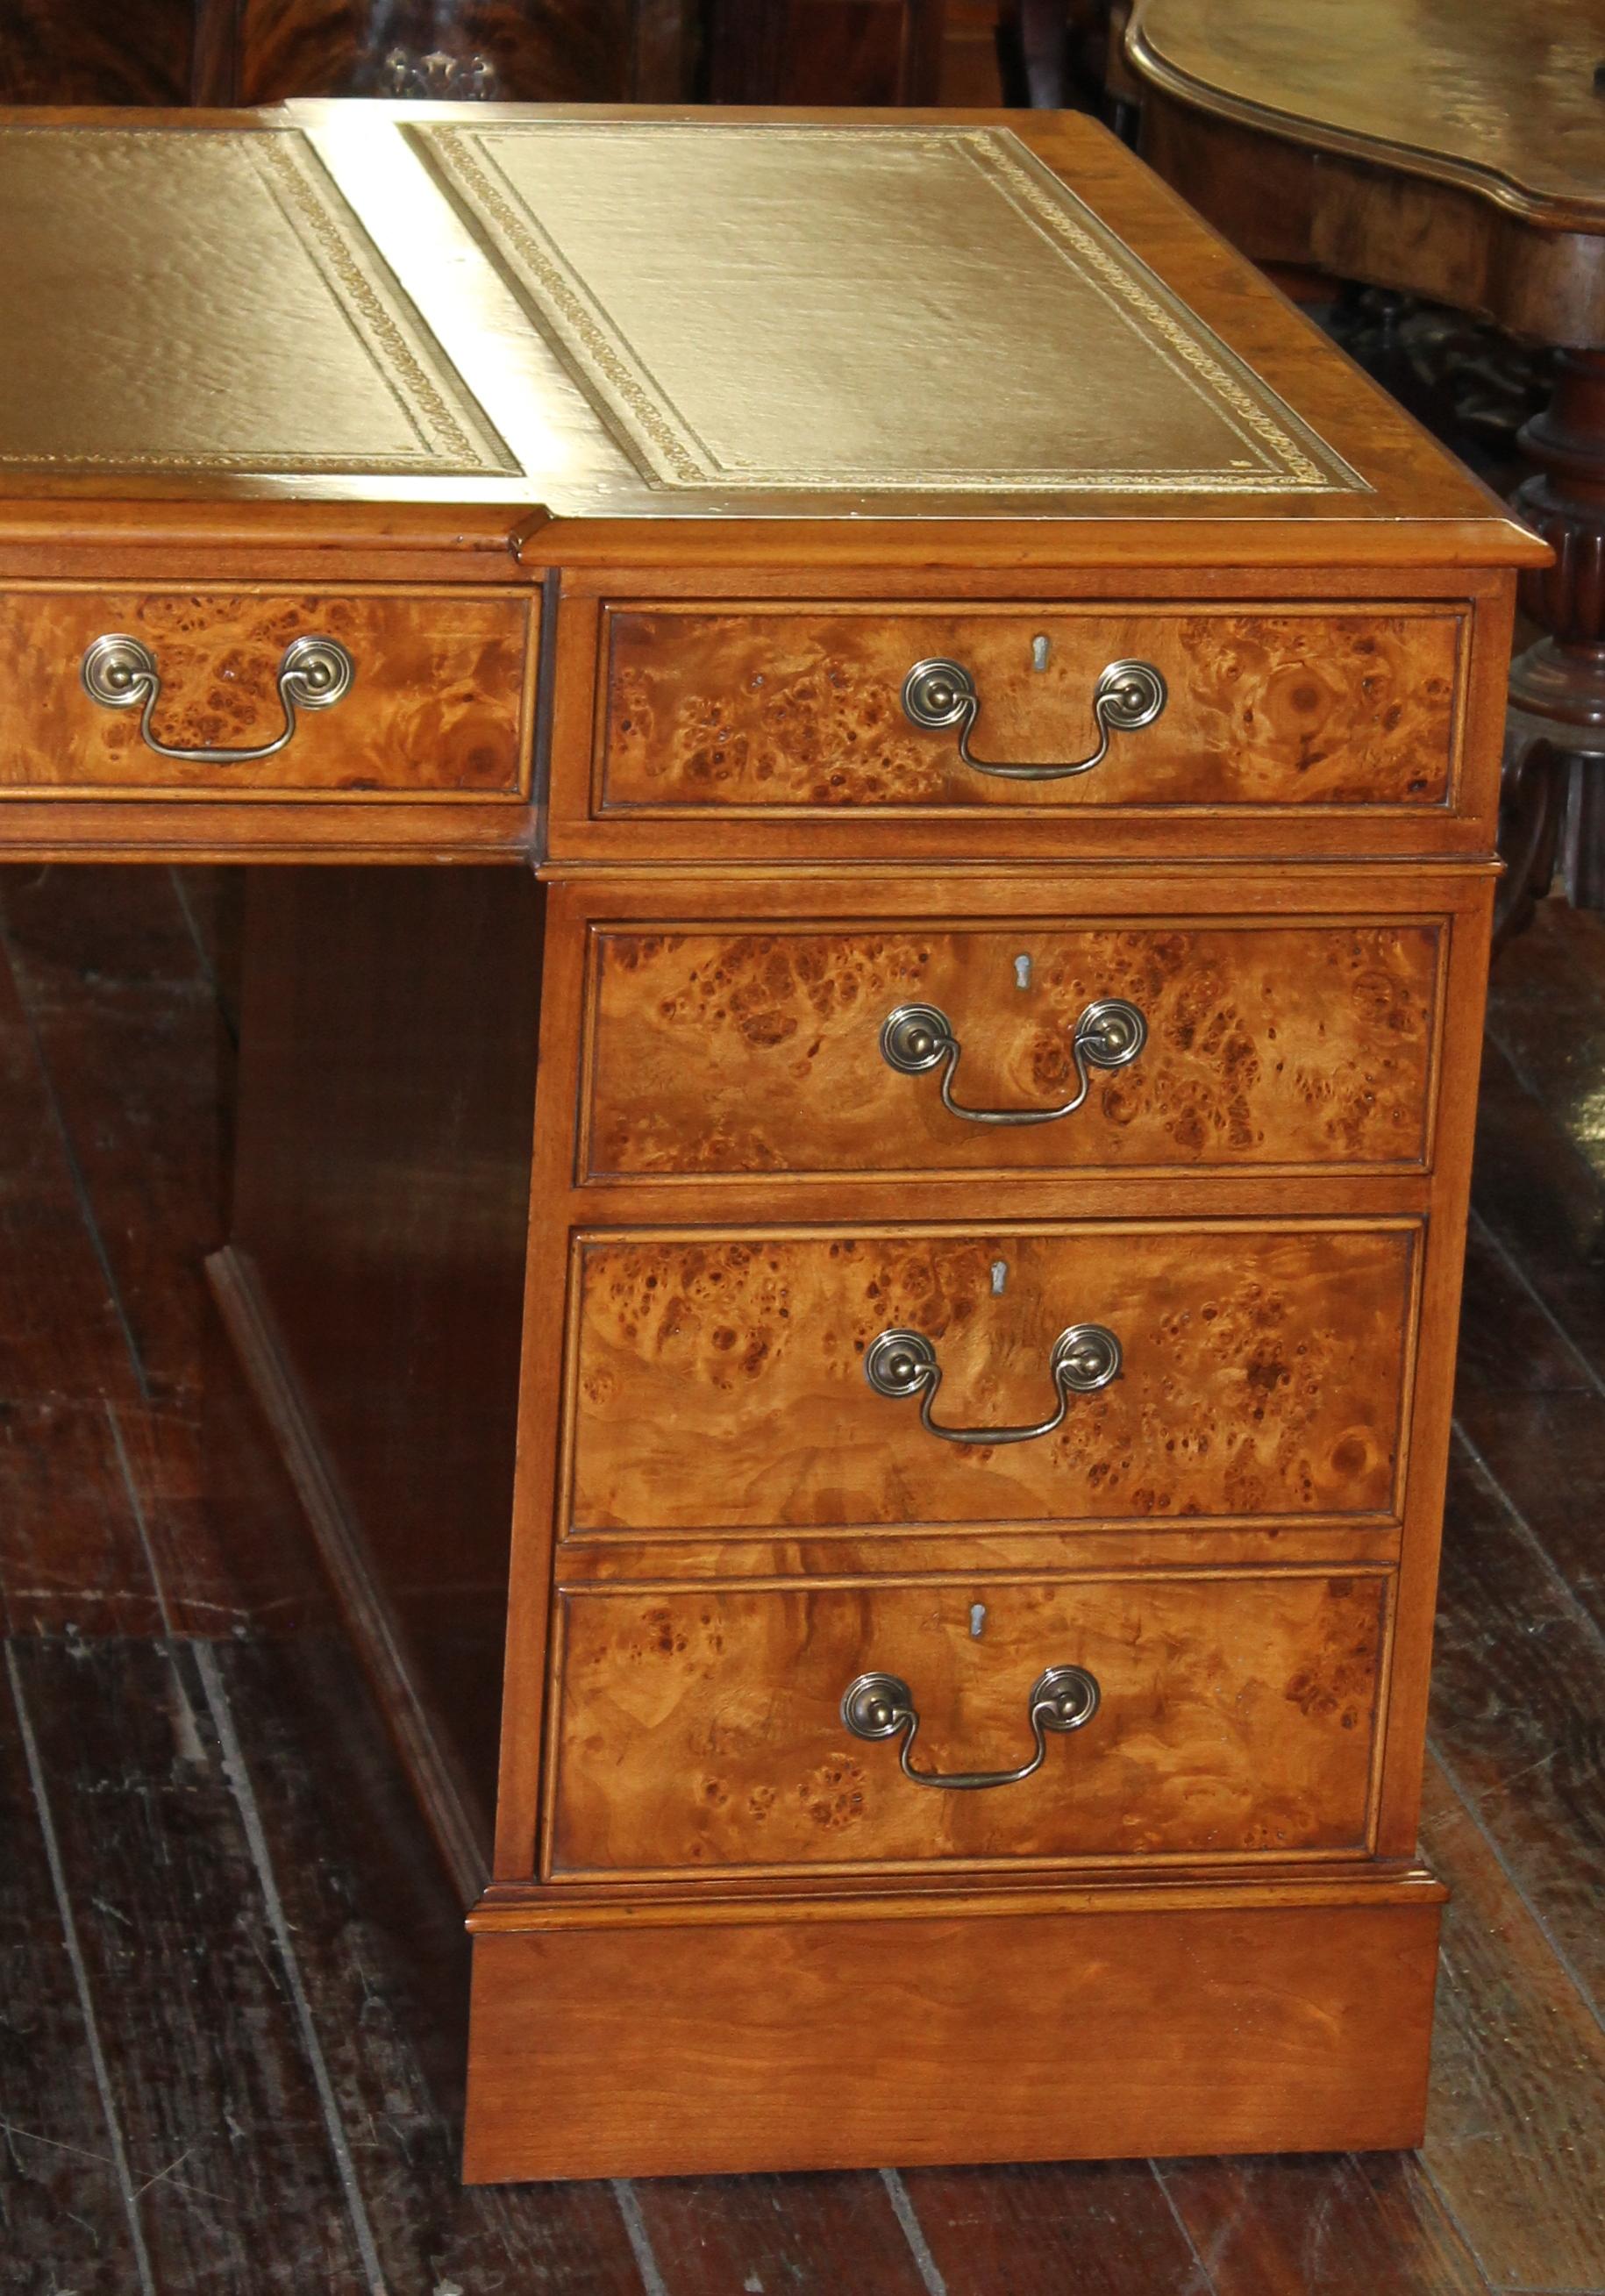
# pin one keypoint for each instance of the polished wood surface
(216, 52)
(690, 1379)
(1385, 144)
(870, 785)
(1176, 2016)
(701, 1730)
(720, 1383)
(109, 1009)
(1430, 80)
(442, 699)
(501, 50)
(751, 1052)
(770, 710)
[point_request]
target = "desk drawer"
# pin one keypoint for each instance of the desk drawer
(723, 1381)
(438, 700)
(786, 709)
(792, 1050)
(700, 1729)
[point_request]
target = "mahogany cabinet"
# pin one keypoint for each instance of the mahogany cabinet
(854, 1244)
(222, 51)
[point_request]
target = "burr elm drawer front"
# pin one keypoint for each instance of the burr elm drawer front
(762, 1379)
(1144, 1718)
(266, 693)
(902, 1046)
(787, 709)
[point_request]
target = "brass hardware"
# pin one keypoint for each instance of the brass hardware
(1085, 1357)
(1110, 1033)
(938, 695)
(882, 1706)
(119, 673)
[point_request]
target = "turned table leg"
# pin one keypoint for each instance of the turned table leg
(1553, 800)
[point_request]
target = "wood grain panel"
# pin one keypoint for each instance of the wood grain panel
(702, 1728)
(545, 51)
(899, 2035)
(719, 1380)
(756, 1051)
(96, 51)
(794, 708)
(439, 703)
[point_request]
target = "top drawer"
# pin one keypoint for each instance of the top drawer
(265, 693)
(816, 709)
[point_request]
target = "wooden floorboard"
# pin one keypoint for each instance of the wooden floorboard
(126, 1025)
(385, 1966)
(1518, 1718)
(227, 2142)
(215, 1890)
(1104, 2226)
(1344, 2226)
(1516, 2129)
(61, 1332)
(67, 2219)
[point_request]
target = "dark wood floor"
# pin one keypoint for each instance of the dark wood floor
(228, 1965)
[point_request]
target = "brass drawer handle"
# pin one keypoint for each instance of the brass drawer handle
(881, 1706)
(936, 694)
(119, 673)
(1109, 1034)
(1085, 1358)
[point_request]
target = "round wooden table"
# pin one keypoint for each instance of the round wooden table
(1454, 148)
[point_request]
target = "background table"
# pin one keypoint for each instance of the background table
(1454, 148)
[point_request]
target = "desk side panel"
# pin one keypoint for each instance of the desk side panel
(374, 1276)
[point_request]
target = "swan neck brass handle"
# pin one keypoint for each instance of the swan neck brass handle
(119, 673)
(1085, 1357)
(882, 1706)
(938, 695)
(915, 1038)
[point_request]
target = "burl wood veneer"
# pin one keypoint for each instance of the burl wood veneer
(1017, 1756)
(697, 1731)
(442, 701)
(719, 1383)
(756, 1052)
(782, 710)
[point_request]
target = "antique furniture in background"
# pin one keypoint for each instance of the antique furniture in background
(1457, 148)
(222, 51)
(961, 827)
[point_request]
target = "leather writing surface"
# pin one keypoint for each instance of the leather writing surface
(864, 308)
(185, 300)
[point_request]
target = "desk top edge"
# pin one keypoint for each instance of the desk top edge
(1413, 500)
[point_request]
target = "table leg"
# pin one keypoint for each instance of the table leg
(1553, 800)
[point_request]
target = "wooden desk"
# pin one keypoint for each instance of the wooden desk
(991, 732)
(1455, 148)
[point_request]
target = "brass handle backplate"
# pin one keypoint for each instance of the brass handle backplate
(1085, 1357)
(938, 694)
(883, 1706)
(1109, 1034)
(119, 673)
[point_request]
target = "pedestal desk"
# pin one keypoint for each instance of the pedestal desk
(988, 735)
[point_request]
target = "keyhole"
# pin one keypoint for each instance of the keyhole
(977, 1620)
(1040, 650)
(1022, 972)
(1000, 1276)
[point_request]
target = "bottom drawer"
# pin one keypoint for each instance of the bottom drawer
(700, 1729)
